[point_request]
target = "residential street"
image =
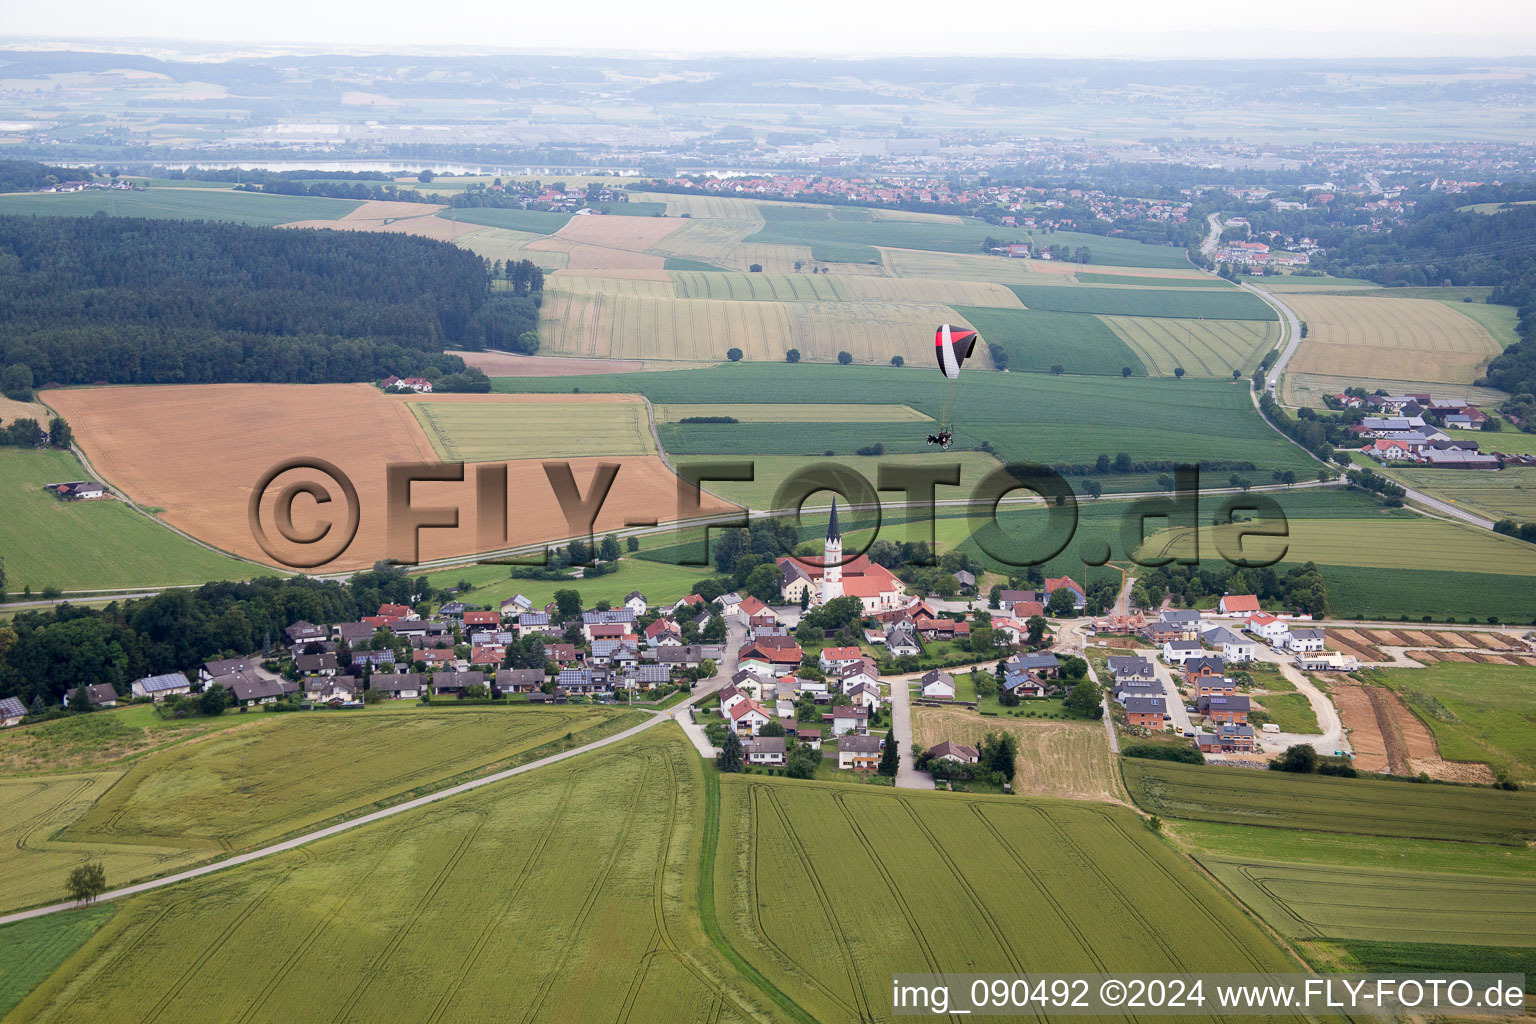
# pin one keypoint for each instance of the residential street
(1332, 738)
(1171, 688)
(907, 775)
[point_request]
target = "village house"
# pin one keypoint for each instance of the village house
(1177, 652)
(1306, 641)
(864, 696)
(848, 719)
(949, 750)
(808, 737)
(375, 658)
(518, 680)
(747, 717)
(97, 695)
(12, 711)
(1079, 596)
(612, 617)
(1238, 604)
(433, 658)
(1233, 647)
(833, 658)
(764, 750)
(635, 602)
(305, 632)
(535, 622)
(688, 656)
(1227, 739)
(936, 685)
(1131, 668)
(563, 655)
(1271, 629)
(1147, 712)
(663, 631)
(901, 641)
(162, 686)
(1205, 665)
(780, 655)
(331, 689)
(213, 670)
(858, 753)
(1224, 709)
(515, 605)
(1214, 685)
(399, 686)
(455, 684)
(315, 664)
(249, 689)
(490, 620)
(863, 672)
(1123, 691)
(1043, 663)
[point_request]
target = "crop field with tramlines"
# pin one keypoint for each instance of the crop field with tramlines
(828, 890)
(1038, 340)
(180, 204)
(1195, 303)
(1328, 901)
(1318, 803)
(243, 786)
(566, 894)
(571, 425)
(1412, 339)
(1203, 348)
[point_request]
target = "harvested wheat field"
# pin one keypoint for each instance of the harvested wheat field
(198, 452)
(963, 293)
(1419, 339)
(1062, 759)
(513, 364)
(399, 218)
(12, 410)
(610, 243)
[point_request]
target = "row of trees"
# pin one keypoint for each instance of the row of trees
(1300, 589)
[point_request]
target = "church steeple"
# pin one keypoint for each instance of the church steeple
(832, 532)
(832, 560)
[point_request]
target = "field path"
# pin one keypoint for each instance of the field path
(657, 717)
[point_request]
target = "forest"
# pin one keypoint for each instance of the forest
(29, 175)
(135, 301)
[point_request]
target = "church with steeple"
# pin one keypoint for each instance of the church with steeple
(817, 583)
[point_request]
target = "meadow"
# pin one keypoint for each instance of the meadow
(181, 204)
(568, 426)
(829, 888)
(1202, 348)
(1070, 760)
(91, 544)
(784, 413)
(1037, 340)
(1477, 712)
(1509, 493)
(268, 777)
(537, 222)
(566, 894)
(1204, 281)
(32, 950)
(1203, 304)
(1323, 804)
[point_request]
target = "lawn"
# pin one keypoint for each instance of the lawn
(1322, 804)
(569, 894)
(181, 204)
(1039, 340)
(272, 776)
(1477, 712)
(827, 889)
(91, 545)
(1290, 711)
(1206, 304)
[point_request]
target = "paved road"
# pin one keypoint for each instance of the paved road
(657, 717)
(1213, 236)
(736, 636)
(907, 775)
(1171, 688)
(1293, 334)
(1332, 737)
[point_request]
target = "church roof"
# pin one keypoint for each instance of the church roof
(832, 531)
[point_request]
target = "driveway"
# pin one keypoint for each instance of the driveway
(1332, 738)
(907, 775)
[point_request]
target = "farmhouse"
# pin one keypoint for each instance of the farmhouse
(12, 711)
(77, 490)
(858, 753)
(162, 686)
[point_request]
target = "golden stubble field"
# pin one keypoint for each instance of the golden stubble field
(611, 243)
(395, 218)
(198, 452)
(1407, 339)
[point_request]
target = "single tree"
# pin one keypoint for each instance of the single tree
(1086, 699)
(756, 268)
(1301, 759)
(1036, 625)
(59, 433)
(802, 763)
(890, 757)
(87, 882)
(792, 356)
(568, 604)
(1058, 369)
(898, 361)
(773, 728)
(844, 358)
(213, 701)
(1062, 601)
(733, 354)
(730, 753)
(1178, 371)
(1125, 371)
(632, 544)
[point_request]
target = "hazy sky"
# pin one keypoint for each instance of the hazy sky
(1131, 28)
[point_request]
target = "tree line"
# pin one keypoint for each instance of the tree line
(136, 301)
(30, 175)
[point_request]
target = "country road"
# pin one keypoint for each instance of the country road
(657, 717)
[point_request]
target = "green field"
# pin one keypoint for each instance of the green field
(492, 431)
(695, 284)
(1202, 348)
(1206, 282)
(91, 545)
(272, 776)
(491, 584)
(772, 470)
(1408, 957)
(181, 204)
(1325, 901)
(964, 238)
(538, 222)
(1207, 304)
(1298, 846)
(1323, 804)
(781, 413)
(828, 889)
(567, 894)
(32, 950)
(1477, 712)
(1509, 493)
(678, 263)
(89, 741)
(1444, 596)
(1038, 340)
